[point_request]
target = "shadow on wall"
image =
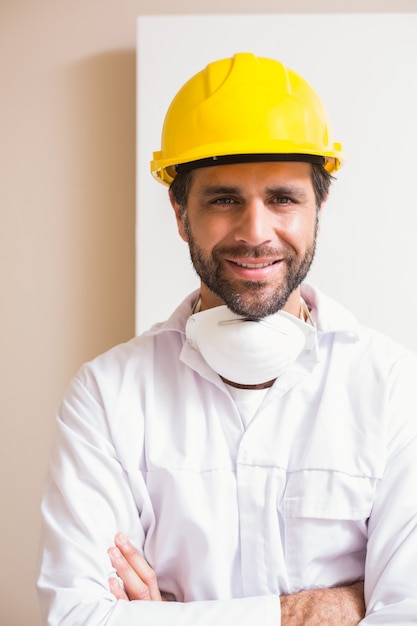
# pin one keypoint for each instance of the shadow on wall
(74, 219)
(100, 131)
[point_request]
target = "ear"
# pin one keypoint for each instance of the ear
(320, 210)
(178, 216)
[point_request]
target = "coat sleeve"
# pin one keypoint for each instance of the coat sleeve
(390, 574)
(87, 499)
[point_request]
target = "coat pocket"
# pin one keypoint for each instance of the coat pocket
(325, 526)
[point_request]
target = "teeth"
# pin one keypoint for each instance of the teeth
(253, 265)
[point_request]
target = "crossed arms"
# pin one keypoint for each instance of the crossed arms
(92, 491)
(340, 606)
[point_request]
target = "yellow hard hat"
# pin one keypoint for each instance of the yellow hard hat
(240, 109)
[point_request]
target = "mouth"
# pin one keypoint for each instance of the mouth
(254, 265)
(255, 269)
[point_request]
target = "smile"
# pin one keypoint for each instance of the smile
(254, 265)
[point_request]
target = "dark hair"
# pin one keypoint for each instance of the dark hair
(322, 180)
(320, 177)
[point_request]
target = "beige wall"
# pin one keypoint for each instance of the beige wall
(67, 205)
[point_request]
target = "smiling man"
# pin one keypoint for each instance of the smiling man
(253, 459)
(251, 229)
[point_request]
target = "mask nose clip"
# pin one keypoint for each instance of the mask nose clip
(236, 321)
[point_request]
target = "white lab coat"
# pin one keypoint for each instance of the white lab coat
(319, 490)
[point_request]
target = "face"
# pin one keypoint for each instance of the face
(251, 230)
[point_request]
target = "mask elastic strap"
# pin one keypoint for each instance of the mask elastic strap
(197, 306)
(305, 312)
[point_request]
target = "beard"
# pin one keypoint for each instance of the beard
(249, 298)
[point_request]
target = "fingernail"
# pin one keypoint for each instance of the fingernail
(115, 553)
(122, 539)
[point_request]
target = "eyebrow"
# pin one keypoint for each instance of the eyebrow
(287, 190)
(214, 190)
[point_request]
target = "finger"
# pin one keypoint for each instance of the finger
(139, 565)
(117, 589)
(135, 587)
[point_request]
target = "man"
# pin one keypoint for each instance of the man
(255, 456)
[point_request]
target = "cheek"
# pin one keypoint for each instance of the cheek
(301, 237)
(209, 232)
(298, 231)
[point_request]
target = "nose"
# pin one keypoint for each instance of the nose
(254, 226)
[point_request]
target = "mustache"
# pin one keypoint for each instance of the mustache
(249, 252)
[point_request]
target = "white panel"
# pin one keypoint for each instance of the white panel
(364, 66)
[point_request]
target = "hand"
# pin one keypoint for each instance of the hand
(338, 606)
(139, 579)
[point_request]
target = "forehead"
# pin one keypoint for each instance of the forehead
(253, 176)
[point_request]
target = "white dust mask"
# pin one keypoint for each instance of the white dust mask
(248, 352)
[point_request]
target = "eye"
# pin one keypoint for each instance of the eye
(282, 200)
(225, 200)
